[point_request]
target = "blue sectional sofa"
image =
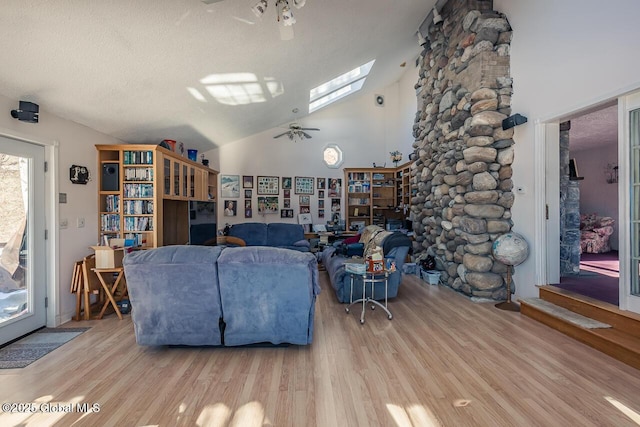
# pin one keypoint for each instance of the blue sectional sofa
(395, 247)
(209, 295)
(275, 234)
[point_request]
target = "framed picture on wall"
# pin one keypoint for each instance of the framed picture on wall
(321, 183)
(287, 194)
(267, 205)
(304, 200)
(321, 194)
(247, 181)
(286, 203)
(286, 183)
(304, 185)
(335, 186)
(230, 186)
(247, 194)
(268, 185)
(230, 207)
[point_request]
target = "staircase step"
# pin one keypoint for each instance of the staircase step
(620, 339)
(623, 320)
(563, 313)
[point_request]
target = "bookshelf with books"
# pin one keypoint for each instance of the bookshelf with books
(142, 200)
(403, 191)
(377, 195)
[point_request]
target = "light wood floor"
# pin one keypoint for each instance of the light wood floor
(442, 360)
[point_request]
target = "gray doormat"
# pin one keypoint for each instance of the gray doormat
(32, 347)
(563, 313)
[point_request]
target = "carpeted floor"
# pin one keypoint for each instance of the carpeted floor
(36, 345)
(598, 278)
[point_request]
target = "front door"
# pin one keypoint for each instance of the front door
(22, 239)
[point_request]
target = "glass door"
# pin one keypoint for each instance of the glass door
(22, 246)
(629, 162)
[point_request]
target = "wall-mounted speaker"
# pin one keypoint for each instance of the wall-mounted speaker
(110, 178)
(379, 99)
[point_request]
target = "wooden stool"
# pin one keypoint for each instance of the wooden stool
(109, 291)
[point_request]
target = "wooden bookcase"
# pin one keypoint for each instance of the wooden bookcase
(370, 195)
(375, 195)
(144, 193)
(403, 189)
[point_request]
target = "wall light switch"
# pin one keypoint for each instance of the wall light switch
(64, 223)
(80, 222)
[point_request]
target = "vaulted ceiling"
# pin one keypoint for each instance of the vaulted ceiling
(147, 70)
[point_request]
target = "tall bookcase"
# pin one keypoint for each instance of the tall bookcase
(403, 189)
(144, 193)
(371, 195)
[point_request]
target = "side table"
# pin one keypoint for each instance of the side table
(370, 278)
(110, 291)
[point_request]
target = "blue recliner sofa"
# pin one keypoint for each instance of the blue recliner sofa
(210, 295)
(275, 234)
(395, 246)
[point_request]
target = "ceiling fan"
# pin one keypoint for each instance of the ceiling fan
(283, 13)
(296, 132)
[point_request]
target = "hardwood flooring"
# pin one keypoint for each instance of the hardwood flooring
(442, 361)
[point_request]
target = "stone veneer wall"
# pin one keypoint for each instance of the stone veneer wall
(462, 172)
(569, 210)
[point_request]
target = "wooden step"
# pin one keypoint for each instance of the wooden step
(621, 341)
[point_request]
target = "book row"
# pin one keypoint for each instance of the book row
(138, 157)
(112, 203)
(138, 190)
(134, 223)
(138, 174)
(138, 207)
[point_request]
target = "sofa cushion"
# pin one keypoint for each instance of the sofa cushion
(253, 233)
(162, 283)
(284, 234)
(268, 295)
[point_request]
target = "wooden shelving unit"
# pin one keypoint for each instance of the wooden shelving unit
(144, 193)
(371, 195)
(403, 190)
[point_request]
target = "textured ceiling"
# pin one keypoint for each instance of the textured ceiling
(130, 69)
(594, 129)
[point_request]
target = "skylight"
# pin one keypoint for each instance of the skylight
(338, 88)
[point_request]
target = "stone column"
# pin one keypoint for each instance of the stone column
(569, 209)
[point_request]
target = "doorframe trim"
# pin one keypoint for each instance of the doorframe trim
(52, 257)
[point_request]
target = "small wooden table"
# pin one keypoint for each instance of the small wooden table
(110, 291)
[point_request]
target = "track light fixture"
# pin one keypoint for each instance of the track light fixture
(421, 40)
(436, 16)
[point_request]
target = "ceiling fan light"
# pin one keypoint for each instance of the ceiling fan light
(259, 8)
(299, 3)
(287, 16)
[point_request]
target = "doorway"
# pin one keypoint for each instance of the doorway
(589, 204)
(22, 239)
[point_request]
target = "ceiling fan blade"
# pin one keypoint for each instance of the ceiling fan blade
(309, 129)
(282, 134)
(306, 135)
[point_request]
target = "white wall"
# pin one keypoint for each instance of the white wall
(596, 195)
(565, 56)
(365, 132)
(76, 146)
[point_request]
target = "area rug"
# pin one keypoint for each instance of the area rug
(36, 345)
(563, 313)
